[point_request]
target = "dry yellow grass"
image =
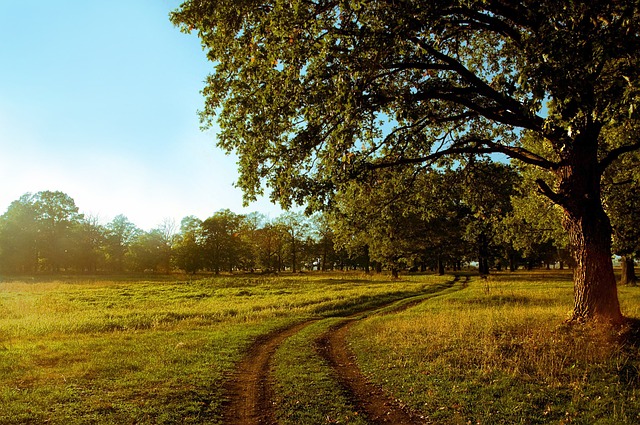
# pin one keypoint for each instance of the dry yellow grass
(500, 351)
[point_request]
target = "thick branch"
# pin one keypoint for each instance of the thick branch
(483, 89)
(515, 12)
(493, 23)
(473, 146)
(422, 66)
(464, 97)
(616, 153)
(428, 159)
(523, 155)
(544, 189)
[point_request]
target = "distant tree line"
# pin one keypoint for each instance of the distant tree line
(482, 213)
(46, 233)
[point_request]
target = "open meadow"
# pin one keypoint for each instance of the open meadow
(159, 350)
(78, 351)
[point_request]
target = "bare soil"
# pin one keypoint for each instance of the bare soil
(378, 406)
(248, 392)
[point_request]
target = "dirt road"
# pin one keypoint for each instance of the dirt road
(249, 391)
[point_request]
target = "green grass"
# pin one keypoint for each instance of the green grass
(113, 351)
(307, 392)
(102, 351)
(500, 352)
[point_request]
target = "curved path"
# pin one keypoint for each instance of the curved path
(378, 407)
(249, 395)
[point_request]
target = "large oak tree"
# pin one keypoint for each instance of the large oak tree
(310, 93)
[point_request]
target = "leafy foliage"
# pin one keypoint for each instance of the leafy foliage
(37, 231)
(311, 93)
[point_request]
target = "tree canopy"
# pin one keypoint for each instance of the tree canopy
(308, 92)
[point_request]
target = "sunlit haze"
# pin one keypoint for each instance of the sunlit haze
(99, 99)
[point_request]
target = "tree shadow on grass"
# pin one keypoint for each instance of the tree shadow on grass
(630, 333)
(629, 369)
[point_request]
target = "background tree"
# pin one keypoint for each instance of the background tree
(18, 237)
(300, 89)
(622, 202)
(168, 235)
(295, 227)
(120, 233)
(149, 251)
(486, 190)
(445, 215)
(188, 246)
(399, 219)
(56, 215)
(221, 241)
(87, 251)
(270, 241)
(325, 250)
(533, 222)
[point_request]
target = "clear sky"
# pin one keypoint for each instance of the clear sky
(99, 99)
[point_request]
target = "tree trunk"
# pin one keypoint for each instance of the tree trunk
(483, 266)
(440, 266)
(325, 250)
(512, 262)
(595, 291)
(589, 229)
(483, 254)
(293, 256)
(628, 276)
(378, 267)
(367, 260)
(395, 273)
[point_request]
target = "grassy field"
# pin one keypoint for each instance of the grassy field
(500, 352)
(98, 351)
(103, 351)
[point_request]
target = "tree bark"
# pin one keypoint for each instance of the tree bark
(483, 266)
(440, 266)
(293, 256)
(483, 254)
(595, 291)
(325, 250)
(589, 230)
(367, 260)
(628, 276)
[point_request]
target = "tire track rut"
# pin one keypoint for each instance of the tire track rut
(248, 391)
(378, 406)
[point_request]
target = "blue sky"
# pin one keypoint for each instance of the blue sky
(99, 99)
